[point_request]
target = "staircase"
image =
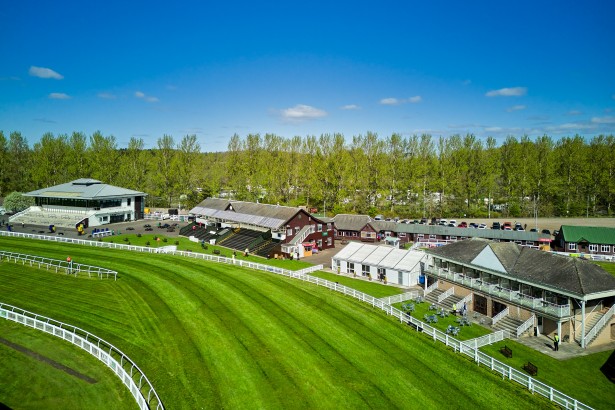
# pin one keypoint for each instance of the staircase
(589, 326)
(447, 303)
(509, 324)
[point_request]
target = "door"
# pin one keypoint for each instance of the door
(480, 304)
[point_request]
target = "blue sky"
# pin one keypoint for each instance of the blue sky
(213, 69)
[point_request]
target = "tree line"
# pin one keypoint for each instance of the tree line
(407, 176)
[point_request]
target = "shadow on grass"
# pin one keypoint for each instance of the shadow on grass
(608, 368)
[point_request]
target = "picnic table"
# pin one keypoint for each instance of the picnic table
(442, 313)
(452, 330)
(431, 318)
(433, 307)
(463, 321)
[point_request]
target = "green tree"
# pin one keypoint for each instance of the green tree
(103, 158)
(165, 179)
(19, 165)
(17, 202)
(51, 157)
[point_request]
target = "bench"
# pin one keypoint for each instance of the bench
(506, 351)
(530, 368)
(216, 251)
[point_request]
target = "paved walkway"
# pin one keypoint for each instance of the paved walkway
(567, 350)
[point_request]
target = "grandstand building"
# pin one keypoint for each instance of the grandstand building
(84, 201)
(525, 290)
(263, 229)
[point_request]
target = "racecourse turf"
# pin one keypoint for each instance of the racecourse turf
(217, 336)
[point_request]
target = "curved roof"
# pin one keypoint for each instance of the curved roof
(84, 188)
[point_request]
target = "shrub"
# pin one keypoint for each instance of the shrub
(164, 240)
(125, 239)
(176, 243)
(147, 243)
(138, 235)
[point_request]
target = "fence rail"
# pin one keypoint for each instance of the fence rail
(70, 268)
(479, 357)
(402, 297)
(129, 373)
(599, 325)
(526, 325)
(499, 316)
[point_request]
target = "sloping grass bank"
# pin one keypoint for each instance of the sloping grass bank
(217, 336)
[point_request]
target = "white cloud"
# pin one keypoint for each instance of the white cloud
(43, 72)
(507, 92)
(604, 120)
(398, 101)
(59, 96)
(389, 101)
(574, 112)
(301, 112)
(350, 107)
(516, 108)
(144, 97)
(107, 96)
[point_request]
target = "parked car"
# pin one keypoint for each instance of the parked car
(452, 225)
(546, 231)
(443, 222)
(473, 225)
(496, 225)
(534, 230)
(507, 226)
(519, 227)
(462, 225)
(482, 226)
(452, 221)
(378, 218)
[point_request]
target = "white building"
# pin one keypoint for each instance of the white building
(398, 266)
(83, 201)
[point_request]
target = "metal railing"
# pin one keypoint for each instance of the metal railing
(499, 316)
(526, 325)
(485, 340)
(70, 268)
(402, 297)
(600, 324)
(493, 289)
(446, 294)
(479, 357)
(431, 288)
(123, 367)
(466, 299)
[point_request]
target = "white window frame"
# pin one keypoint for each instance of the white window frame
(572, 246)
(432, 236)
(319, 228)
(593, 247)
(605, 248)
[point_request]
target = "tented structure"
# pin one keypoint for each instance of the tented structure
(397, 266)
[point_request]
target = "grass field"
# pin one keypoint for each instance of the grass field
(213, 336)
(29, 381)
(607, 266)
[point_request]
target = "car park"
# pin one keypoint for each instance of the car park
(462, 225)
(496, 225)
(482, 226)
(507, 226)
(473, 225)
(443, 222)
(452, 221)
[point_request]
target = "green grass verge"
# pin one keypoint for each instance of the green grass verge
(184, 244)
(28, 382)
(579, 377)
(218, 336)
(607, 266)
(465, 332)
(374, 289)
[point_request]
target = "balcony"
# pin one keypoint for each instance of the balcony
(538, 305)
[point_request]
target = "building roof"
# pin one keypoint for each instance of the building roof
(265, 215)
(347, 222)
(381, 256)
(592, 234)
(84, 188)
(570, 276)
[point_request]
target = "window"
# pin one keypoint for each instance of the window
(365, 270)
(432, 236)
(289, 231)
(420, 236)
(400, 278)
(319, 243)
(351, 268)
(329, 226)
(354, 234)
(329, 241)
(453, 238)
(312, 228)
(296, 230)
(605, 248)
(319, 229)
(128, 202)
(572, 246)
(402, 234)
(593, 248)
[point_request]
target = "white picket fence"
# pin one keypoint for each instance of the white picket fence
(479, 357)
(402, 297)
(129, 373)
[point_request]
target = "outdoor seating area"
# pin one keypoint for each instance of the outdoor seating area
(430, 318)
(452, 330)
(464, 321)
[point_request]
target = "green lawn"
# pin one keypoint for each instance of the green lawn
(607, 266)
(218, 336)
(465, 332)
(580, 377)
(374, 289)
(28, 382)
(185, 244)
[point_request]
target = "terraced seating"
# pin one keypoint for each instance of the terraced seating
(240, 239)
(265, 248)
